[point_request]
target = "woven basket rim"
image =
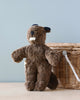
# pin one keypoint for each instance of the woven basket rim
(65, 45)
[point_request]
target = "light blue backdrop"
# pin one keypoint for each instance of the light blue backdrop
(16, 16)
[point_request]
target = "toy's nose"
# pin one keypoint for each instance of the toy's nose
(32, 33)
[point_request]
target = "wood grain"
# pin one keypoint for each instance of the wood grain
(17, 91)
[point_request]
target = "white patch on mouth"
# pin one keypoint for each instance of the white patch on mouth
(32, 39)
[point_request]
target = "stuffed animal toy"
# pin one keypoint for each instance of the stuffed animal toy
(39, 60)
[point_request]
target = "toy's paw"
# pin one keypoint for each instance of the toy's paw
(53, 57)
(16, 57)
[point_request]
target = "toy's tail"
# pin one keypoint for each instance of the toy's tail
(53, 82)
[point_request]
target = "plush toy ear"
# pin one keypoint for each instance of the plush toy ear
(47, 29)
(35, 25)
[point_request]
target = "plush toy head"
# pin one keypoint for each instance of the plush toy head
(37, 34)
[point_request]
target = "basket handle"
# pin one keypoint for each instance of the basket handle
(67, 59)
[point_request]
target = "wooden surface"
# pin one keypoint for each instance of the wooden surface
(17, 91)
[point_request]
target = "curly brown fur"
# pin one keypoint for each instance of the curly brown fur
(53, 56)
(39, 60)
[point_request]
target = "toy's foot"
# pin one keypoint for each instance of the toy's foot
(30, 85)
(40, 86)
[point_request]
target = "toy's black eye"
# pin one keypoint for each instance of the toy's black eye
(47, 29)
(32, 32)
(35, 25)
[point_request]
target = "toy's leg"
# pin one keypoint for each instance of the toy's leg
(53, 82)
(43, 78)
(31, 75)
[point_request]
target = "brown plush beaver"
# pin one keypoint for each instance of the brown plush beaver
(39, 60)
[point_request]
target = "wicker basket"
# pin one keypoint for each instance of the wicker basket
(67, 78)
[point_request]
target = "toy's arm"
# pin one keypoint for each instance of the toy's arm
(53, 56)
(19, 54)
